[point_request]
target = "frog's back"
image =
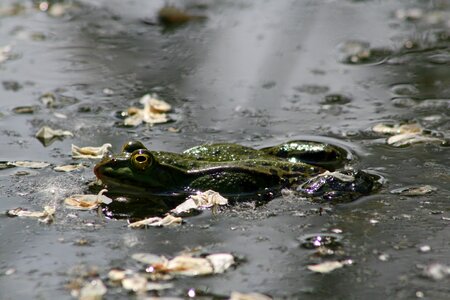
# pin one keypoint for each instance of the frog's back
(224, 152)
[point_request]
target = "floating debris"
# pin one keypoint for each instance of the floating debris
(196, 266)
(29, 164)
(90, 152)
(6, 165)
(48, 99)
(406, 139)
(45, 216)
(136, 283)
(10, 271)
(425, 248)
(46, 134)
(68, 168)
(87, 202)
(200, 201)
(21, 173)
(149, 258)
(406, 134)
(24, 110)
(436, 271)
(118, 274)
(60, 115)
(384, 257)
(338, 175)
(139, 283)
(173, 16)
(397, 128)
(154, 112)
(409, 14)
(248, 296)
(327, 267)
(56, 10)
(220, 261)
(108, 91)
(154, 104)
(168, 220)
(415, 190)
(5, 53)
(93, 290)
(187, 265)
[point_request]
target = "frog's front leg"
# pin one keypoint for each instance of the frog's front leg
(328, 156)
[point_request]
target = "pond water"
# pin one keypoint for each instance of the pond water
(252, 72)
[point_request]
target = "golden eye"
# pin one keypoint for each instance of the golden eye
(141, 159)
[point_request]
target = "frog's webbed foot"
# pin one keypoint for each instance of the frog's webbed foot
(328, 156)
(340, 187)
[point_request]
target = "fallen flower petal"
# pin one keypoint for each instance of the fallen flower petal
(87, 202)
(94, 290)
(185, 265)
(152, 113)
(397, 128)
(220, 261)
(326, 267)
(29, 164)
(338, 175)
(200, 201)
(157, 221)
(154, 104)
(5, 53)
(136, 283)
(68, 168)
(45, 216)
(189, 266)
(406, 139)
(90, 152)
(149, 258)
(46, 133)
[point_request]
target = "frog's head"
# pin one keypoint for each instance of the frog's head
(133, 168)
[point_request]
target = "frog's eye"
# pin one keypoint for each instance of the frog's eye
(141, 159)
(132, 146)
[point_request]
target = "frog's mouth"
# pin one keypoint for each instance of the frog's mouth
(115, 183)
(127, 186)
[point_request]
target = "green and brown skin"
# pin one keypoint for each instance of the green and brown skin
(226, 168)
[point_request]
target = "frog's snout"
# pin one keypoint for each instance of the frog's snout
(97, 170)
(108, 157)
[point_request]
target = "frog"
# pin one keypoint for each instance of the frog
(230, 169)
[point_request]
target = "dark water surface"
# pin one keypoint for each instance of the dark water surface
(255, 73)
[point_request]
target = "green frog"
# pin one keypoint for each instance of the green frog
(229, 169)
